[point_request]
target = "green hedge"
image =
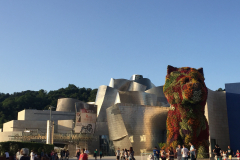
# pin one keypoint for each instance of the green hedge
(12, 147)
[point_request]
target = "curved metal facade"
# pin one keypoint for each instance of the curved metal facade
(161, 99)
(130, 112)
(139, 126)
(137, 97)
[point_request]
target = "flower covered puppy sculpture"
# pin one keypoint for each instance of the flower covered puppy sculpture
(186, 93)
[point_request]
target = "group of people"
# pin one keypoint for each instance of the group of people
(225, 155)
(82, 154)
(64, 154)
(181, 153)
(125, 154)
(23, 154)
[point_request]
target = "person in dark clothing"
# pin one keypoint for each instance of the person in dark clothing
(78, 154)
(67, 155)
(156, 153)
(230, 153)
(25, 153)
(131, 154)
(217, 152)
(171, 153)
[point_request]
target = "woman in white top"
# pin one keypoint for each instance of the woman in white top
(224, 155)
(32, 155)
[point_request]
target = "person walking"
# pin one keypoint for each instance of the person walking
(125, 155)
(25, 153)
(156, 153)
(61, 154)
(18, 154)
(78, 154)
(224, 155)
(32, 155)
(171, 153)
(53, 155)
(118, 153)
(95, 154)
(100, 154)
(163, 154)
(42, 154)
(21, 154)
(83, 156)
(192, 151)
(237, 154)
(230, 153)
(131, 154)
(184, 153)
(178, 152)
(6, 154)
(122, 154)
(86, 151)
(217, 152)
(67, 155)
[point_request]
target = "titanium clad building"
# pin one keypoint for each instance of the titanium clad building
(134, 112)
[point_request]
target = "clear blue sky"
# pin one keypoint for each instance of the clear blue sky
(50, 44)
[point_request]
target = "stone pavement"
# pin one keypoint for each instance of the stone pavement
(110, 158)
(136, 157)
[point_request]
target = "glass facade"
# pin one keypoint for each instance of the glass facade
(233, 109)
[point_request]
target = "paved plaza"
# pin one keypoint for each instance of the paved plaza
(137, 158)
(109, 158)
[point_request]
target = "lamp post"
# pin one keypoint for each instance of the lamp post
(49, 139)
(51, 107)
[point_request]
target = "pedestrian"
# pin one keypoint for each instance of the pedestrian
(192, 151)
(18, 154)
(122, 154)
(178, 152)
(125, 155)
(118, 153)
(32, 155)
(78, 154)
(230, 153)
(42, 154)
(126, 152)
(163, 154)
(67, 155)
(64, 154)
(156, 153)
(6, 154)
(83, 156)
(25, 153)
(35, 156)
(95, 154)
(86, 151)
(237, 155)
(224, 155)
(131, 154)
(21, 154)
(56, 156)
(171, 153)
(100, 154)
(217, 152)
(184, 153)
(53, 155)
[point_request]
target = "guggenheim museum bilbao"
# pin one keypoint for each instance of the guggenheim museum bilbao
(126, 113)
